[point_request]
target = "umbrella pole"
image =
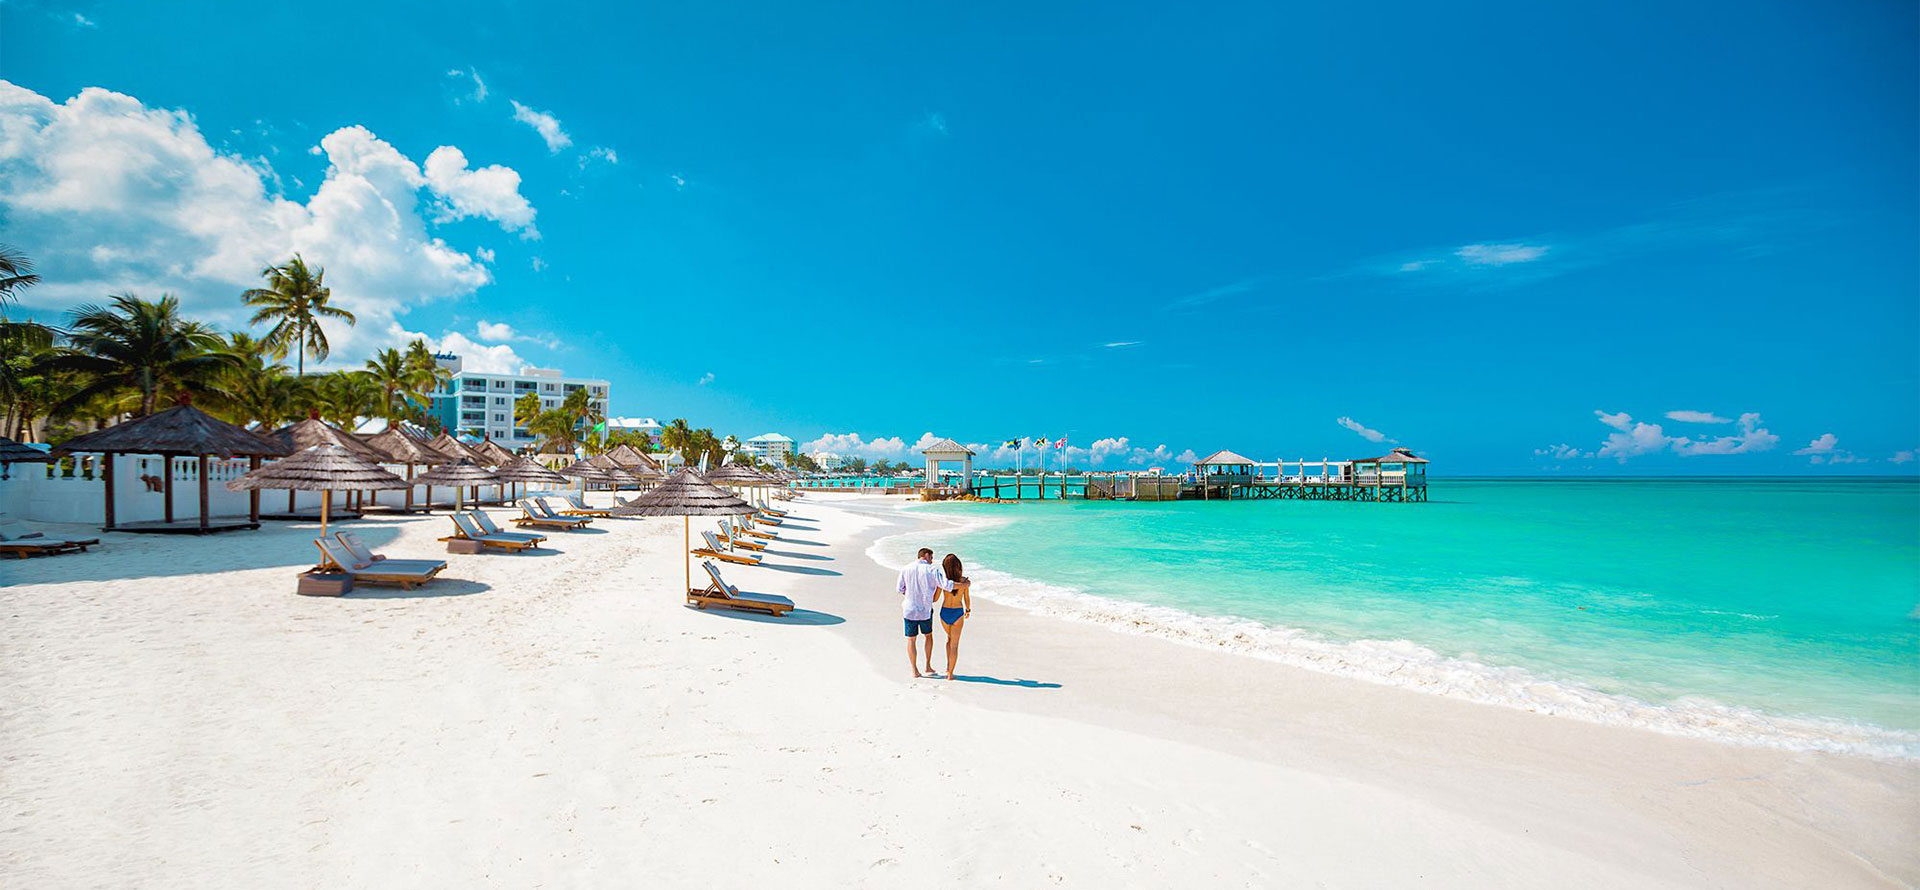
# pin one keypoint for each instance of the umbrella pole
(326, 505)
(686, 540)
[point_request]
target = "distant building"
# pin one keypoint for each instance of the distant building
(635, 425)
(827, 460)
(481, 403)
(771, 448)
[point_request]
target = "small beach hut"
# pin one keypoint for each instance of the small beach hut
(948, 451)
(685, 494)
(325, 468)
(458, 475)
(496, 456)
(12, 452)
(400, 448)
(180, 431)
(1400, 471)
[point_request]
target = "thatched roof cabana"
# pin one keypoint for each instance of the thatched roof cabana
(634, 460)
(325, 467)
(496, 456)
(400, 447)
(313, 431)
(12, 452)
(458, 475)
(456, 449)
(180, 431)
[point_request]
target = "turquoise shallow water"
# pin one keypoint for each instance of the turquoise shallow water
(1722, 605)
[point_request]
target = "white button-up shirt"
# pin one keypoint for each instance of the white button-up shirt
(920, 586)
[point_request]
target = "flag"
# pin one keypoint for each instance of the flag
(1013, 444)
(1042, 442)
(1062, 443)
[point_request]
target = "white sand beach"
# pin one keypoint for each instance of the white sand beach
(171, 715)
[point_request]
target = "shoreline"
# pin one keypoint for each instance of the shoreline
(176, 717)
(1382, 661)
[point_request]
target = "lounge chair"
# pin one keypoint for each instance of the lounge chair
(533, 515)
(717, 550)
(334, 557)
(16, 540)
(579, 507)
(764, 519)
(738, 542)
(542, 508)
(742, 528)
(362, 553)
(485, 523)
(464, 529)
(725, 595)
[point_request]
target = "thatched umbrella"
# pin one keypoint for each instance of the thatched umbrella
(527, 470)
(400, 448)
(325, 468)
(634, 461)
(459, 474)
(180, 431)
(685, 494)
(454, 448)
(738, 477)
(12, 452)
(313, 431)
(495, 455)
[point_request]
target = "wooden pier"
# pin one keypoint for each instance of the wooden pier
(1399, 476)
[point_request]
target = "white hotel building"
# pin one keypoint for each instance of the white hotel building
(481, 404)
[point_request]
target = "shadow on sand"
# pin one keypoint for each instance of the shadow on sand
(798, 570)
(796, 618)
(438, 587)
(797, 555)
(996, 681)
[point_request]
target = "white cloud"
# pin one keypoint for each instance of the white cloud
(1415, 265)
(543, 123)
(479, 92)
(490, 192)
(598, 153)
(679, 182)
(1562, 451)
(1117, 344)
(83, 22)
(494, 333)
(1499, 254)
(852, 445)
(1370, 435)
(495, 359)
(935, 123)
(1697, 417)
(706, 378)
(539, 265)
(1752, 437)
(1187, 457)
(485, 254)
(1635, 438)
(1822, 445)
(1902, 457)
(120, 197)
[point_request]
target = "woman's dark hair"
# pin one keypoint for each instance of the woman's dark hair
(951, 565)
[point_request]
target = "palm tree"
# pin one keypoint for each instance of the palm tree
(526, 409)
(678, 436)
(388, 371)
(18, 339)
(342, 397)
(429, 375)
(16, 273)
(257, 388)
(140, 350)
(295, 300)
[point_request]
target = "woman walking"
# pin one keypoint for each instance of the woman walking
(956, 603)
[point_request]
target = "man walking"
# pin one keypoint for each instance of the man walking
(920, 585)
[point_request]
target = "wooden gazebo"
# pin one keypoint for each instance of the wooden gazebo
(180, 431)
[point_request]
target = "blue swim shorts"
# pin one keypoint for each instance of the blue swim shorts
(916, 626)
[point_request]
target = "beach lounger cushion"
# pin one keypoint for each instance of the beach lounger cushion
(485, 524)
(367, 558)
(336, 557)
(717, 550)
(464, 529)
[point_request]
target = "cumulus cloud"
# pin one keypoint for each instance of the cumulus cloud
(706, 378)
(543, 123)
(1561, 451)
(1822, 445)
(494, 333)
(1752, 437)
(1633, 438)
(490, 192)
(598, 154)
(1696, 417)
(495, 359)
(1187, 457)
(1500, 254)
(1902, 457)
(1370, 435)
(119, 196)
(853, 445)
(81, 21)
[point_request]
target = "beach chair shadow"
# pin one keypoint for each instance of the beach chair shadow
(996, 681)
(797, 617)
(798, 570)
(439, 588)
(810, 556)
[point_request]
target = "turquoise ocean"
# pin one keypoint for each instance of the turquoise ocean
(1775, 612)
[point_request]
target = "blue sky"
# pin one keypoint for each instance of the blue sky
(1519, 238)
